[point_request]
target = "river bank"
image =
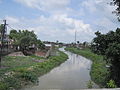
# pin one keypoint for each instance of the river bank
(98, 70)
(22, 71)
(73, 74)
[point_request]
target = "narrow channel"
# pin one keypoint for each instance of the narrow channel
(72, 74)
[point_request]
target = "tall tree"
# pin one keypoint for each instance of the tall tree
(109, 46)
(25, 38)
(117, 11)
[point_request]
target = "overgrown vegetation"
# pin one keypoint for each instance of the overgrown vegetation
(111, 84)
(98, 70)
(21, 71)
(109, 45)
(90, 84)
(37, 57)
(25, 40)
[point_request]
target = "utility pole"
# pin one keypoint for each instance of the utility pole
(75, 36)
(3, 31)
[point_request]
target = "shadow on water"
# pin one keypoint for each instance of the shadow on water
(72, 74)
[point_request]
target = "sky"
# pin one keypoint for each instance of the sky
(54, 20)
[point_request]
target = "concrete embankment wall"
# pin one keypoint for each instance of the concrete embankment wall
(51, 52)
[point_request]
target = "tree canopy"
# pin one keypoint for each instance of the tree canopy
(109, 46)
(25, 39)
(117, 3)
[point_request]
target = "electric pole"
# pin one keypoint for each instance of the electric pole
(75, 36)
(3, 31)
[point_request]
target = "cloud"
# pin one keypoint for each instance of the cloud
(97, 5)
(105, 22)
(62, 27)
(65, 17)
(45, 4)
(12, 20)
(100, 14)
(73, 24)
(56, 27)
(90, 5)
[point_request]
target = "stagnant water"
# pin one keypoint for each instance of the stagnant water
(72, 74)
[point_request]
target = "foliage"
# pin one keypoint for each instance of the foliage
(98, 70)
(12, 82)
(96, 46)
(17, 61)
(109, 46)
(90, 84)
(40, 44)
(3, 86)
(117, 3)
(25, 39)
(28, 76)
(37, 57)
(23, 70)
(111, 84)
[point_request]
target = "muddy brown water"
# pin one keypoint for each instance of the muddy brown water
(72, 74)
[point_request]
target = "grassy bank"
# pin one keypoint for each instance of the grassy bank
(20, 71)
(98, 69)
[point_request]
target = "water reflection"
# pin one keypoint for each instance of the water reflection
(73, 74)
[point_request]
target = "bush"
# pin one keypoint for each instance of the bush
(28, 76)
(18, 77)
(111, 84)
(90, 84)
(3, 86)
(11, 82)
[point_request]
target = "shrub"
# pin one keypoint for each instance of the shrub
(18, 77)
(28, 76)
(90, 84)
(12, 82)
(111, 84)
(3, 86)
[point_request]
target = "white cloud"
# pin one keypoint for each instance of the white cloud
(98, 6)
(90, 5)
(105, 22)
(59, 27)
(73, 24)
(11, 20)
(64, 19)
(64, 27)
(45, 4)
(100, 14)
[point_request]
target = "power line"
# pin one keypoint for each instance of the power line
(1, 21)
(11, 27)
(14, 28)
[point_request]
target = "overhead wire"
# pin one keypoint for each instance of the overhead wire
(11, 27)
(1, 21)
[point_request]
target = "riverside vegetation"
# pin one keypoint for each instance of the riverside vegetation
(98, 70)
(20, 71)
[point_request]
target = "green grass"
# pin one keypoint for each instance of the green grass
(98, 70)
(37, 57)
(12, 62)
(17, 61)
(22, 71)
